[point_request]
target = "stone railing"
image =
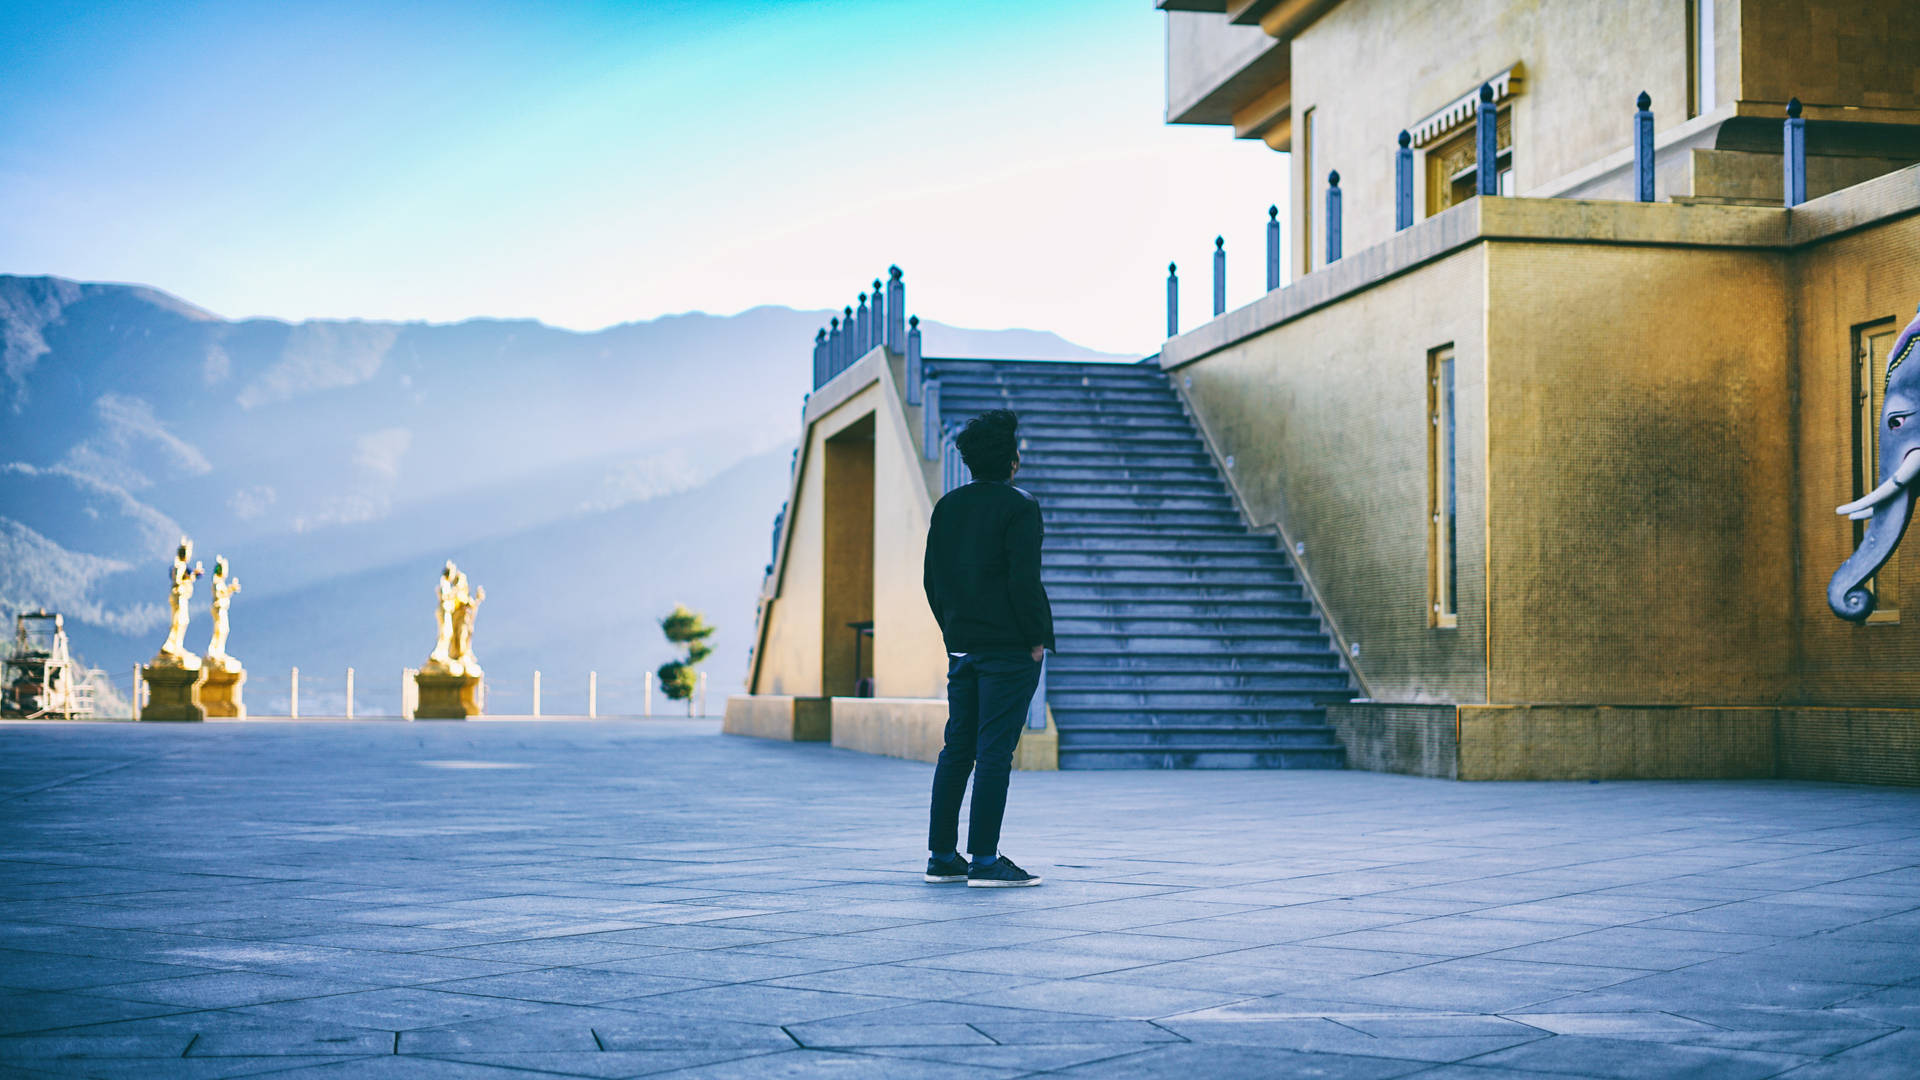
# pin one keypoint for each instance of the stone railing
(1487, 182)
(878, 319)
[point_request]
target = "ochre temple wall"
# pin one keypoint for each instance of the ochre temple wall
(1326, 419)
(1640, 468)
(1583, 63)
(906, 658)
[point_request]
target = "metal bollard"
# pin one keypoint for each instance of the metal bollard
(1333, 217)
(1173, 300)
(593, 694)
(1487, 143)
(536, 693)
(648, 711)
(1219, 276)
(349, 693)
(1273, 248)
(293, 697)
(1795, 180)
(1403, 183)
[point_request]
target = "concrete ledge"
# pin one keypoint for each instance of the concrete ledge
(1574, 742)
(1419, 740)
(1653, 742)
(1560, 221)
(778, 716)
(915, 729)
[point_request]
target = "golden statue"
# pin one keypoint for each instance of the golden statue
(448, 603)
(223, 588)
(173, 652)
(469, 604)
(457, 601)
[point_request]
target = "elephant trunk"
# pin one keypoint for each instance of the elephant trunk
(1847, 593)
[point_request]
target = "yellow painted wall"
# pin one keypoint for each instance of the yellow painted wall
(908, 659)
(1858, 278)
(1325, 417)
(1830, 52)
(847, 557)
(1639, 525)
(1372, 67)
(909, 656)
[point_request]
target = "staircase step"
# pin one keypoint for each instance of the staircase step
(1283, 638)
(1058, 546)
(1047, 489)
(1150, 626)
(1135, 738)
(1300, 659)
(1204, 716)
(1203, 756)
(1064, 408)
(1334, 692)
(1146, 471)
(1168, 558)
(1071, 516)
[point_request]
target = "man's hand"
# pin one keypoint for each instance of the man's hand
(1039, 651)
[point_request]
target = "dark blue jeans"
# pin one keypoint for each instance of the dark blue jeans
(987, 697)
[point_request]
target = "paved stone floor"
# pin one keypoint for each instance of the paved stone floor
(649, 898)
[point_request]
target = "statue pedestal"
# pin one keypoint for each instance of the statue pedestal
(446, 696)
(220, 693)
(173, 692)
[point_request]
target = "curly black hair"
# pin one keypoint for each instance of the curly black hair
(989, 443)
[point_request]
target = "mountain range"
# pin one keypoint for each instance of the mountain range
(589, 481)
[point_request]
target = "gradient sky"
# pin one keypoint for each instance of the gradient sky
(588, 164)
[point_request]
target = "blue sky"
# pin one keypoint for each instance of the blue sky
(588, 164)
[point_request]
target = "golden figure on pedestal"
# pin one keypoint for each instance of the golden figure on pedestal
(223, 588)
(173, 652)
(174, 677)
(449, 682)
(220, 694)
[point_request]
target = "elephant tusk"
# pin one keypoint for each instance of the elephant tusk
(1909, 468)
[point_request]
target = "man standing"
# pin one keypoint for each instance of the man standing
(983, 583)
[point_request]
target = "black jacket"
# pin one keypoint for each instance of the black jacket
(983, 569)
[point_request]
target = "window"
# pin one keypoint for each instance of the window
(1442, 490)
(1310, 190)
(1700, 72)
(1452, 172)
(1871, 343)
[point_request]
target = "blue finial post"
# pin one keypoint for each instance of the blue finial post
(1173, 301)
(819, 359)
(1219, 276)
(847, 353)
(1643, 148)
(833, 347)
(914, 373)
(930, 420)
(896, 311)
(1796, 155)
(863, 328)
(879, 315)
(1486, 137)
(1273, 248)
(1403, 183)
(1333, 217)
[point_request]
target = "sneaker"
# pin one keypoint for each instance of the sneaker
(1003, 874)
(947, 869)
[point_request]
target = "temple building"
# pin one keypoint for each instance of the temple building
(1525, 465)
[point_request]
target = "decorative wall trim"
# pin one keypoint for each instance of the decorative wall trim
(1459, 111)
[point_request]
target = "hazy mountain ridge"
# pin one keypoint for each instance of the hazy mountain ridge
(325, 454)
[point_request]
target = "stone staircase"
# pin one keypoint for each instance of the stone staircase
(1186, 642)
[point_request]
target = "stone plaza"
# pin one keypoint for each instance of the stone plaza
(612, 899)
